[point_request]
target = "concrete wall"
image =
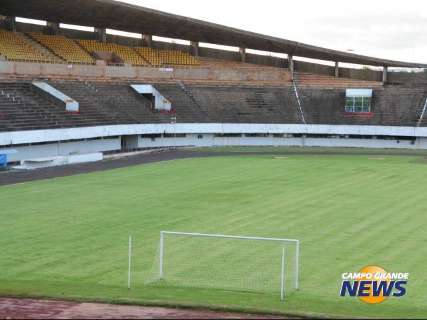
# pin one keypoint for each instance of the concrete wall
(220, 54)
(38, 70)
(126, 41)
(25, 27)
(77, 34)
(8, 139)
(408, 77)
(138, 141)
(267, 61)
(361, 74)
(63, 149)
(211, 140)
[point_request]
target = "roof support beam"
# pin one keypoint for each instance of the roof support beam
(242, 54)
(147, 40)
(52, 28)
(385, 74)
(194, 48)
(8, 23)
(337, 69)
(102, 34)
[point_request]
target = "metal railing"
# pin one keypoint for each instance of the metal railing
(298, 100)
(422, 114)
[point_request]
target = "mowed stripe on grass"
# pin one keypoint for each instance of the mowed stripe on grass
(67, 237)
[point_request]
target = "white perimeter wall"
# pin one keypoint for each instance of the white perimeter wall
(63, 149)
(210, 140)
(134, 137)
(54, 135)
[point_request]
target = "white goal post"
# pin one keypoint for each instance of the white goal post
(282, 252)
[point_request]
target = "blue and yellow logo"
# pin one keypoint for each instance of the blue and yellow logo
(374, 285)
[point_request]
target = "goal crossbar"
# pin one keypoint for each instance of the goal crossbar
(204, 235)
(228, 237)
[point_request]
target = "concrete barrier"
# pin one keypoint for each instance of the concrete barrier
(33, 164)
(8, 68)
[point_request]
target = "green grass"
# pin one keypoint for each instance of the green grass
(67, 237)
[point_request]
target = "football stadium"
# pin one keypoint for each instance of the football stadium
(188, 165)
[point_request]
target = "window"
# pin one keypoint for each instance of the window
(358, 104)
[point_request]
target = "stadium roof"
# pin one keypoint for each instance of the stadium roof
(131, 18)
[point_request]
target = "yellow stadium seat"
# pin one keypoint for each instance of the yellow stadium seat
(127, 54)
(176, 57)
(14, 47)
(65, 48)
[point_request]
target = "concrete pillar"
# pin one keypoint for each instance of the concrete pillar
(194, 48)
(101, 34)
(242, 54)
(337, 69)
(291, 66)
(385, 74)
(147, 40)
(52, 28)
(3, 22)
(8, 23)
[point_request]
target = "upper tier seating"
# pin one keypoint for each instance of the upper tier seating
(59, 49)
(166, 57)
(176, 57)
(127, 54)
(66, 48)
(150, 55)
(13, 46)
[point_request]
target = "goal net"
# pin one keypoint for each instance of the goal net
(234, 263)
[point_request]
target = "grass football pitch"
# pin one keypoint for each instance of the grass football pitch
(66, 238)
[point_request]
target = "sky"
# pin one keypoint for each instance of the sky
(387, 29)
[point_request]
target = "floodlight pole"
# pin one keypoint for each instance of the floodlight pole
(130, 263)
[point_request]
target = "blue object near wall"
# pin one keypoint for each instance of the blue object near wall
(3, 160)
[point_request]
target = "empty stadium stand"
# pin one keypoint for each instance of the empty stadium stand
(39, 47)
(150, 55)
(65, 48)
(246, 104)
(391, 106)
(16, 46)
(175, 57)
(23, 107)
(127, 54)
